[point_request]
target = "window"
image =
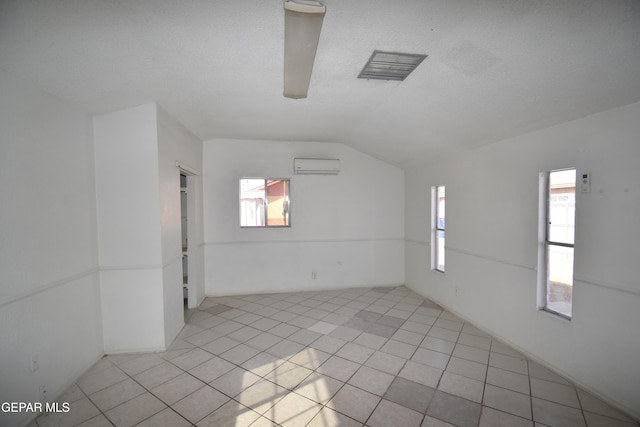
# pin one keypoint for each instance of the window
(557, 230)
(437, 228)
(264, 202)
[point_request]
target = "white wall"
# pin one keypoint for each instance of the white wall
(491, 247)
(128, 201)
(176, 143)
(138, 191)
(347, 228)
(49, 290)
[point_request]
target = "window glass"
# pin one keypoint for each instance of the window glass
(264, 202)
(438, 229)
(559, 233)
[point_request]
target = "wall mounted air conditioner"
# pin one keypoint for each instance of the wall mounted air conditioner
(316, 166)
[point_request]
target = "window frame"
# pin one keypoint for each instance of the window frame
(546, 243)
(266, 218)
(436, 229)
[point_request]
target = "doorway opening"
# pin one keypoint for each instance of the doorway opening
(190, 226)
(185, 239)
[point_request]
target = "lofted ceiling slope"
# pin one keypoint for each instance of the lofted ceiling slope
(495, 68)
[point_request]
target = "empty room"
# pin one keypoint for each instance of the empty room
(320, 213)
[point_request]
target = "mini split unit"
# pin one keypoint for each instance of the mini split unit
(316, 166)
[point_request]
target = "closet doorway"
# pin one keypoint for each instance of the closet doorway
(184, 217)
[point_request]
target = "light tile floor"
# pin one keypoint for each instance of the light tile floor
(353, 357)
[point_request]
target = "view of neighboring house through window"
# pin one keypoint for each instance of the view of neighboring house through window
(264, 202)
(559, 229)
(437, 228)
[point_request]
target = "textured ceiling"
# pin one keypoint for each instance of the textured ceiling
(496, 68)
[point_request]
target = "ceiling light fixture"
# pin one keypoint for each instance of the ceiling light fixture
(390, 65)
(302, 25)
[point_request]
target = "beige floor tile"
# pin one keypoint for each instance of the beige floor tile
(391, 414)
(595, 420)
(200, 403)
(385, 362)
(509, 363)
(538, 371)
(509, 380)
(438, 344)
(499, 347)
(371, 380)
(116, 394)
(354, 403)
(310, 358)
(507, 401)
(261, 396)
(211, 369)
(141, 363)
(293, 410)
(191, 359)
(203, 337)
(454, 410)
(460, 386)
(399, 349)
(402, 357)
(434, 422)
(322, 327)
(244, 334)
(79, 411)
(319, 388)
(220, 345)
(328, 344)
(135, 410)
(493, 418)
(553, 414)
(165, 418)
(177, 388)
(481, 342)
(329, 418)
(408, 337)
(422, 374)
(467, 368)
(157, 375)
(431, 358)
(99, 421)
(288, 375)
(449, 324)
(471, 353)
(594, 405)
(468, 328)
(263, 341)
(100, 380)
(338, 368)
(372, 341)
(72, 394)
(231, 414)
(234, 381)
(559, 393)
(443, 333)
(355, 352)
(409, 394)
(263, 363)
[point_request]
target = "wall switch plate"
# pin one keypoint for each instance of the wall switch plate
(585, 182)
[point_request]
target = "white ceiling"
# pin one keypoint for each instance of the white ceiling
(496, 68)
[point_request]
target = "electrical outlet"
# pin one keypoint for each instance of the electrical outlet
(314, 275)
(34, 364)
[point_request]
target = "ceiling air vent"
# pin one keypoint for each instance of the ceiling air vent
(390, 65)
